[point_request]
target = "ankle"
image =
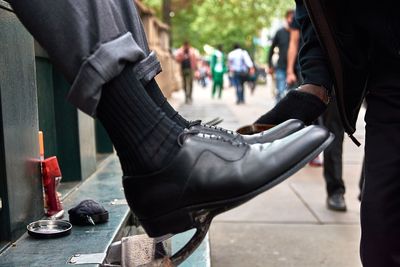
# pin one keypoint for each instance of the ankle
(317, 90)
(159, 99)
(143, 136)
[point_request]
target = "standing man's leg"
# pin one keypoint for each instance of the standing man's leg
(380, 206)
(214, 88)
(190, 85)
(333, 167)
(221, 86)
(184, 85)
(242, 89)
(361, 181)
(280, 76)
(236, 83)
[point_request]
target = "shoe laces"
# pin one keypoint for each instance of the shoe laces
(198, 122)
(219, 129)
(194, 123)
(182, 137)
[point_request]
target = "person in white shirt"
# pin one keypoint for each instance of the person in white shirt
(240, 67)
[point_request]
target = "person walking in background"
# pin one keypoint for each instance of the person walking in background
(240, 67)
(333, 159)
(333, 162)
(218, 69)
(203, 73)
(187, 57)
(293, 75)
(281, 41)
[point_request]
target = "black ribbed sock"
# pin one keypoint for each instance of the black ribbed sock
(143, 136)
(295, 105)
(156, 94)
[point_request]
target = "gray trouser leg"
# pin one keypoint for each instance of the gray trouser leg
(90, 42)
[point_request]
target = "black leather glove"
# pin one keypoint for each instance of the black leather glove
(295, 105)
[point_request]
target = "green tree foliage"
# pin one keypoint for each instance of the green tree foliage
(220, 21)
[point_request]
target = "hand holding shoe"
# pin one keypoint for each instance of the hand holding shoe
(306, 104)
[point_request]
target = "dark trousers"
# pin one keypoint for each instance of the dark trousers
(380, 207)
(333, 166)
(187, 80)
(217, 87)
(239, 85)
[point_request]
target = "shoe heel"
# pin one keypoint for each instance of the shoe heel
(172, 223)
(178, 222)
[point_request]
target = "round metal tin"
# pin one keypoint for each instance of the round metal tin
(49, 228)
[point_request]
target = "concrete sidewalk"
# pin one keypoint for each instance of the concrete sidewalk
(288, 225)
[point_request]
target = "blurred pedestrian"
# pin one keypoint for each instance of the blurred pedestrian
(253, 78)
(281, 41)
(203, 73)
(333, 159)
(218, 69)
(240, 67)
(293, 75)
(187, 57)
(333, 155)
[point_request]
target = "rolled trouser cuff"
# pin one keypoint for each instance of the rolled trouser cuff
(105, 63)
(148, 68)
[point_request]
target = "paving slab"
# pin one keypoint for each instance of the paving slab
(284, 245)
(279, 204)
(310, 187)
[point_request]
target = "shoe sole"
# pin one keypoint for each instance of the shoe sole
(337, 209)
(344, 209)
(196, 216)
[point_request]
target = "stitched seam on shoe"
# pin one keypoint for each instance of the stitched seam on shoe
(190, 176)
(191, 173)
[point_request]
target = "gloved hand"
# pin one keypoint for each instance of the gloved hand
(297, 104)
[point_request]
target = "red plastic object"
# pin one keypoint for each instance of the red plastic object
(51, 175)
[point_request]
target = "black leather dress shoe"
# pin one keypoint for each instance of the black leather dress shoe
(336, 202)
(282, 130)
(211, 175)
